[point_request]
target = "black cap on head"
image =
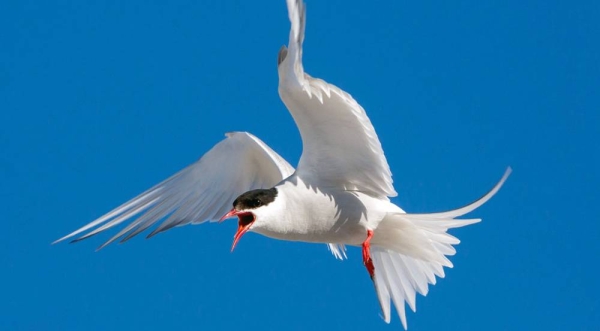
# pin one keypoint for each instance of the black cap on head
(255, 198)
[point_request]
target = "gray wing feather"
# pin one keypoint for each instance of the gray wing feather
(202, 191)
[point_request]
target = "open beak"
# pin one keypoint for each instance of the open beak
(231, 213)
(245, 220)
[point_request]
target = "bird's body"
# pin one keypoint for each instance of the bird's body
(338, 194)
(309, 213)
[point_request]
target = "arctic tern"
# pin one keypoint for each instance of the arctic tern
(338, 194)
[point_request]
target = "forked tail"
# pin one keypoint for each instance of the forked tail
(409, 251)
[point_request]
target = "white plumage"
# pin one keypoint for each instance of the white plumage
(338, 195)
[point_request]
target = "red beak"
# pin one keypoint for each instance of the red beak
(231, 213)
(245, 220)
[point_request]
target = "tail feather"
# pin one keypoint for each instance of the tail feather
(470, 207)
(409, 251)
(395, 288)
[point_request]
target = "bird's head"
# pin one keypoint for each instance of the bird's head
(248, 207)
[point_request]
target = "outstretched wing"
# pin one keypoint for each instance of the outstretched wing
(340, 146)
(202, 191)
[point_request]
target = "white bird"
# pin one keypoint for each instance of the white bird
(338, 194)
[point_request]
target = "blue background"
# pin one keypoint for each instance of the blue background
(101, 99)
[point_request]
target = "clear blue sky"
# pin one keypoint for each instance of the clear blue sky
(101, 99)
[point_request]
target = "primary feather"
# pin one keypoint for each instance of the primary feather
(202, 191)
(340, 146)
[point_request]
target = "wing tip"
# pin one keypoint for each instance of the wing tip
(59, 240)
(72, 234)
(231, 134)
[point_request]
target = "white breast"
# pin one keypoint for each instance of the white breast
(304, 212)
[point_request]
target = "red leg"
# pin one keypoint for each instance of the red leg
(366, 252)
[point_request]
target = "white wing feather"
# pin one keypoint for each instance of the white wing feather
(338, 251)
(202, 191)
(340, 146)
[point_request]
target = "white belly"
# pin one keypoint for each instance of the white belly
(309, 214)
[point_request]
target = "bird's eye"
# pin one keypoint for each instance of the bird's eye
(255, 202)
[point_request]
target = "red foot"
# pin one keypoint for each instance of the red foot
(366, 252)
